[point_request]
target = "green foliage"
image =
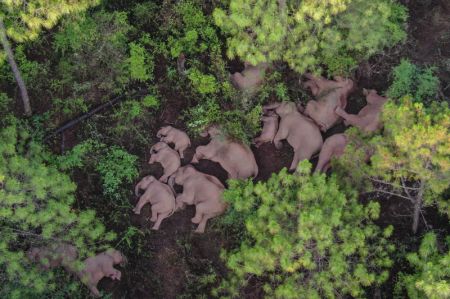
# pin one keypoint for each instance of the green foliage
(431, 277)
(141, 63)
(25, 19)
(191, 32)
(94, 54)
(414, 147)
(303, 232)
(36, 210)
(309, 34)
(409, 79)
(116, 167)
(203, 83)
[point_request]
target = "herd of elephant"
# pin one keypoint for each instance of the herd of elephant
(301, 127)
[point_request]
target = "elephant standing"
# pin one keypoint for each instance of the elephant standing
(368, 118)
(169, 159)
(180, 139)
(329, 94)
(301, 132)
(159, 195)
(236, 158)
(202, 190)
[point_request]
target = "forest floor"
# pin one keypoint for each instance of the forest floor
(174, 262)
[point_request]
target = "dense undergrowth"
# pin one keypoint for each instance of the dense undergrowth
(308, 230)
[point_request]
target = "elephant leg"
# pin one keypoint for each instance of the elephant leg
(298, 156)
(202, 225)
(142, 201)
(281, 135)
(93, 288)
(155, 209)
(350, 119)
(324, 159)
(199, 212)
(160, 218)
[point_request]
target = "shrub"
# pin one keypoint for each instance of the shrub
(36, 209)
(409, 159)
(431, 277)
(141, 63)
(202, 83)
(302, 233)
(409, 79)
(309, 34)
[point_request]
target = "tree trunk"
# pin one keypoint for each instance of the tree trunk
(417, 207)
(15, 69)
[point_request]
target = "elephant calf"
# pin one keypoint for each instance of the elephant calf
(202, 190)
(329, 94)
(333, 146)
(180, 139)
(301, 133)
(250, 78)
(54, 256)
(236, 158)
(159, 195)
(99, 266)
(368, 119)
(169, 159)
(269, 130)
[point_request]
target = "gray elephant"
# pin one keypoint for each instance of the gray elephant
(236, 158)
(250, 78)
(299, 131)
(180, 139)
(368, 118)
(329, 94)
(55, 255)
(202, 190)
(159, 195)
(333, 147)
(99, 266)
(170, 159)
(269, 130)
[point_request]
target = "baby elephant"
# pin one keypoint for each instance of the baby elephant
(250, 78)
(54, 256)
(329, 94)
(368, 119)
(269, 130)
(180, 139)
(99, 266)
(333, 146)
(169, 159)
(202, 190)
(159, 195)
(236, 158)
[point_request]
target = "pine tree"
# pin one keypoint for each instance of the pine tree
(304, 238)
(309, 34)
(36, 202)
(410, 158)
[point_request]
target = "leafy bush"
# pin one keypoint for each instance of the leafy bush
(141, 63)
(409, 159)
(309, 34)
(304, 232)
(409, 79)
(36, 209)
(203, 83)
(431, 278)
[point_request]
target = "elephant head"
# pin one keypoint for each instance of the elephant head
(286, 108)
(157, 147)
(163, 131)
(211, 131)
(143, 184)
(372, 97)
(117, 256)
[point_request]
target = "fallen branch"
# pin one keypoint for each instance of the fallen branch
(88, 114)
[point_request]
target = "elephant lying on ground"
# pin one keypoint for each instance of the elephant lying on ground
(329, 94)
(269, 130)
(236, 158)
(99, 266)
(159, 195)
(368, 119)
(54, 256)
(180, 139)
(250, 78)
(333, 146)
(301, 132)
(170, 160)
(202, 190)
